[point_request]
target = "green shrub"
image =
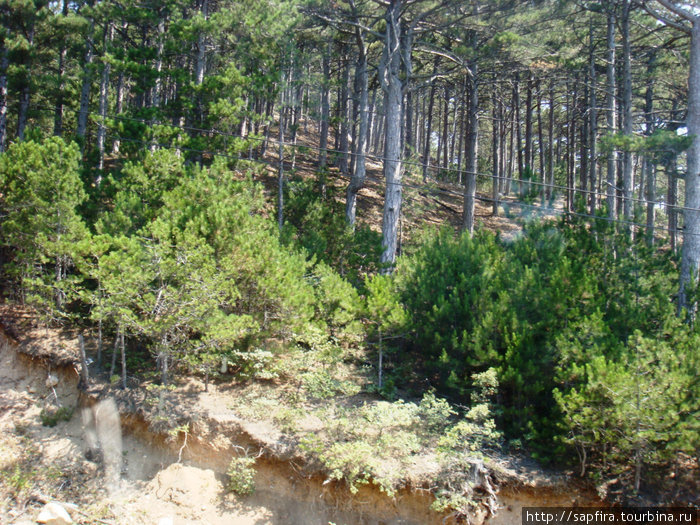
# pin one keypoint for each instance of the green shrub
(50, 417)
(434, 413)
(315, 222)
(321, 384)
(543, 324)
(241, 476)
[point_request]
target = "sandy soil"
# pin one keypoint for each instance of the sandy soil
(152, 486)
(40, 463)
(149, 477)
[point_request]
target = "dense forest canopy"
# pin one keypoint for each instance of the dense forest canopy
(169, 179)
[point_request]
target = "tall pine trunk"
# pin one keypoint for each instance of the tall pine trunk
(389, 74)
(429, 125)
(593, 128)
(611, 176)
(62, 55)
(344, 120)
(325, 108)
(495, 121)
(25, 92)
(4, 63)
(104, 87)
(528, 126)
(627, 182)
(87, 82)
(649, 166)
(690, 253)
(358, 176)
(550, 133)
(471, 150)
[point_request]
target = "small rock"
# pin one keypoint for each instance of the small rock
(54, 514)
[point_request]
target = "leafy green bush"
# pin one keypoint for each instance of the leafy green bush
(434, 413)
(556, 318)
(315, 222)
(50, 417)
(321, 384)
(241, 476)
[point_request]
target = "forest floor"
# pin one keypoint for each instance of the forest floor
(170, 471)
(425, 204)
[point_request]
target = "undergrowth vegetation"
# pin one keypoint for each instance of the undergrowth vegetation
(564, 343)
(580, 325)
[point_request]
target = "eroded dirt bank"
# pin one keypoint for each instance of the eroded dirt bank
(182, 477)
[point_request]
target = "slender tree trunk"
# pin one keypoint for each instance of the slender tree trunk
(62, 54)
(160, 47)
(583, 147)
(343, 102)
(593, 127)
(540, 139)
(157, 88)
(201, 47)
(23, 117)
(462, 127)
(280, 175)
(58, 108)
(445, 126)
(104, 87)
(627, 182)
(121, 87)
(611, 176)
(503, 134)
(84, 372)
(528, 126)
(87, 82)
(518, 129)
(123, 355)
(113, 366)
(407, 108)
(325, 109)
(201, 62)
(550, 132)
(672, 201)
(379, 128)
(391, 84)
(649, 167)
(690, 253)
(25, 92)
(296, 109)
(438, 133)
(416, 116)
(495, 147)
(429, 126)
(453, 133)
(471, 150)
(511, 154)
(409, 140)
(371, 119)
(4, 63)
(571, 147)
(421, 126)
(269, 117)
(99, 344)
(358, 177)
